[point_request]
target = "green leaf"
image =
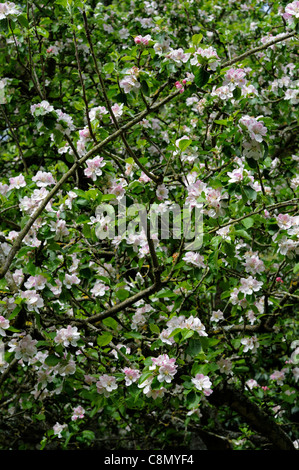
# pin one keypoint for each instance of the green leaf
(145, 376)
(266, 149)
(196, 38)
(252, 162)
(248, 222)
(222, 122)
(110, 323)
(122, 294)
(201, 77)
(23, 21)
(154, 328)
(184, 143)
(296, 268)
(52, 360)
(237, 93)
(108, 68)
(243, 234)
(145, 88)
(133, 334)
(88, 435)
(250, 193)
(104, 339)
(194, 347)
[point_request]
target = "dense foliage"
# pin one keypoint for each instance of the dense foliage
(114, 336)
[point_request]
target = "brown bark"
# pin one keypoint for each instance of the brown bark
(253, 415)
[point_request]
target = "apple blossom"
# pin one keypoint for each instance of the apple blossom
(4, 324)
(188, 114)
(67, 336)
(58, 429)
(202, 382)
(94, 166)
(131, 375)
(23, 346)
(255, 128)
(8, 9)
(78, 412)
(194, 258)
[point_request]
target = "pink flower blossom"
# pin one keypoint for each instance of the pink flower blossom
(253, 264)
(97, 113)
(251, 383)
(279, 376)
(58, 428)
(37, 282)
(179, 86)
(94, 167)
(144, 178)
(234, 78)
(292, 10)
(209, 55)
(99, 289)
(117, 109)
(162, 192)
(217, 316)
(52, 50)
(178, 56)
(4, 188)
(78, 412)
(250, 344)
(70, 279)
(202, 382)
(8, 9)
(236, 176)
(284, 221)
(223, 92)
(42, 108)
(84, 133)
(131, 375)
(225, 366)
(23, 346)
(130, 81)
(194, 258)
(142, 39)
(4, 324)
(250, 285)
(43, 178)
(67, 336)
(106, 384)
(255, 128)
(33, 300)
(167, 367)
(17, 182)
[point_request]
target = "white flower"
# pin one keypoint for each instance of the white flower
(67, 336)
(250, 285)
(217, 316)
(33, 300)
(194, 258)
(162, 192)
(250, 344)
(8, 9)
(58, 428)
(99, 289)
(71, 279)
(202, 382)
(4, 324)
